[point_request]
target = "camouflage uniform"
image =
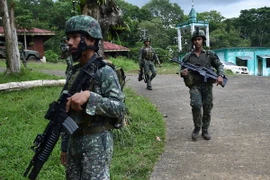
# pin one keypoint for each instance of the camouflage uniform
(90, 154)
(201, 95)
(90, 148)
(147, 60)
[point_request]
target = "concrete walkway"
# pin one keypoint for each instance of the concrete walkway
(240, 129)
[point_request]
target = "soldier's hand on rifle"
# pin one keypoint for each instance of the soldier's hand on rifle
(77, 100)
(184, 72)
(219, 80)
(63, 158)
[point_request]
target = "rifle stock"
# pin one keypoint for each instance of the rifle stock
(208, 74)
(44, 143)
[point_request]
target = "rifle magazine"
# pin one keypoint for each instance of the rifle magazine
(70, 125)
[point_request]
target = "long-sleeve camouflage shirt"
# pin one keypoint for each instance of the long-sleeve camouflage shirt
(106, 98)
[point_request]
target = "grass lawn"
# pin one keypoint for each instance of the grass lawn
(136, 147)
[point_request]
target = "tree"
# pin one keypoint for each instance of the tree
(214, 18)
(222, 31)
(107, 14)
(13, 55)
(170, 14)
(254, 24)
(159, 36)
(132, 16)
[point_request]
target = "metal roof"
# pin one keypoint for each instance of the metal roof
(33, 31)
(244, 57)
(110, 47)
(264, 56)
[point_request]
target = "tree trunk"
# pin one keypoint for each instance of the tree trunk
(93, 9)
(13, 55)
(107, 14)
(30, 84)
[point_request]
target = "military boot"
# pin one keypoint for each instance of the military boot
(206, 135)
(140, 77)
(195, 133)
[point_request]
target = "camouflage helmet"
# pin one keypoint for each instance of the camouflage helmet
(198, 33)
(84, 24)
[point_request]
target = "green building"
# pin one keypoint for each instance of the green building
(257, 59)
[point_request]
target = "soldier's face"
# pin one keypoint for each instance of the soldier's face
(78, 46)
(147, 43)
(73, 41)
(198, 42)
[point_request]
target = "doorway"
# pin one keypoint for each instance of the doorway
(260, 67)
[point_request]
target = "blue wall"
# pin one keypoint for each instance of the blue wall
(256, 62)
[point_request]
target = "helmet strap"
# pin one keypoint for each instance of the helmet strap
(83, 47)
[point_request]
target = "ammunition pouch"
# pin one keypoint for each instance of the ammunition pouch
(193, 78)
(189, 79)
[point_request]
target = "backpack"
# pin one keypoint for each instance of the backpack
(122, 81)
(119, 71)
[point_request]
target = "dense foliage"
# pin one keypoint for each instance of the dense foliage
(156, 19)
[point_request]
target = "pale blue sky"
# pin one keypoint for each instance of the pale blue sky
(227, 8)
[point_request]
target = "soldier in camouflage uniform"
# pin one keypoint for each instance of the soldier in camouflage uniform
(147, 60)
(65, 54)
(201, 95)
(87, 153)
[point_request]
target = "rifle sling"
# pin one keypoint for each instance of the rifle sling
(79, 77)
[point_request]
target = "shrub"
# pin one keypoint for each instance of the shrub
(51, 56)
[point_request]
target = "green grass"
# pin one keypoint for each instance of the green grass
(39, 65)
(128, 65)
(25, 75)
(33, 73)
(136, 149)
(21, 119)
(133, 67)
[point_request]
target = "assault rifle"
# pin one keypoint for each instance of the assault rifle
(208, 74)
(44, 143)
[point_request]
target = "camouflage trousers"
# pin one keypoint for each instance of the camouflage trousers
(89, 157)
(201, 99)
(150, 71)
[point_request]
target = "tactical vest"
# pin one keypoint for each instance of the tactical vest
(81, 117)
(193, 77)
(148, 53)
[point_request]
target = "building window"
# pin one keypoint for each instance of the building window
(241, 62)
(268, 62)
